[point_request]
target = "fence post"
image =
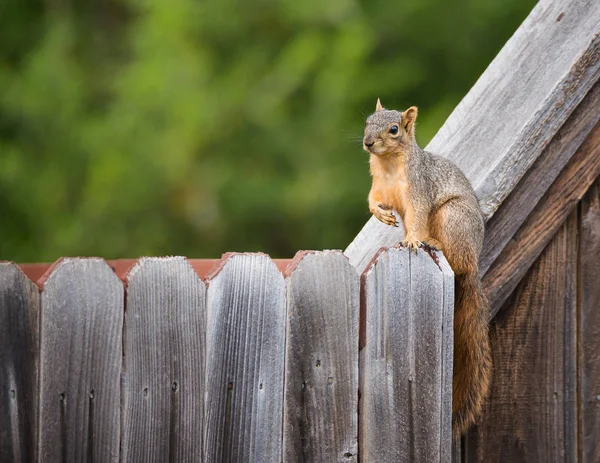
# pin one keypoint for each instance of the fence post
(406, 358)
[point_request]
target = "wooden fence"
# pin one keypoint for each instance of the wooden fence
(247, 364)
(255, 364)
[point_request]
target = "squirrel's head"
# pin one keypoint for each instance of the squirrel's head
(389, 131)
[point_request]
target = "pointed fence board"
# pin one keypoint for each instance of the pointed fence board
(80, 362)
(19, 361)
(589, 325)
(321, 383)
(513, 111)
(407, 328)
(164, 362)
(245, 360)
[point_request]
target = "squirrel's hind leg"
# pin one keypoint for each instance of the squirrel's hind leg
(457, 226)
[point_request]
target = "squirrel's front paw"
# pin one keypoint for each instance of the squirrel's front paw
(385, 215)
(411, 244)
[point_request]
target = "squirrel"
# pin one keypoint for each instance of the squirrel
(438, 208)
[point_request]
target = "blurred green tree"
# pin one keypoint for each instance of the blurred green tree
(138, 127)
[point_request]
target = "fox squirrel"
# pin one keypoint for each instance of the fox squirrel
(439, 208)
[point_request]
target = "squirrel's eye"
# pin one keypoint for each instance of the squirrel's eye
(394, 129)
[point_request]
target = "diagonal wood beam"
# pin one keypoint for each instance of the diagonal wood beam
(515, 209)
(541, 225)
(513, 112)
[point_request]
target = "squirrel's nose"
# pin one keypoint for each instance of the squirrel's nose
(368, 143)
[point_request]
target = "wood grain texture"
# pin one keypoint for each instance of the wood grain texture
(245, 361)
(589, 325)
(515, 209)
(514, 110)
(164, 363)
(373, 236)
(448, 450)
(19, 362)
(321, 381)
(80, 360)
(541, 225)
(403, 404)
(531, 414)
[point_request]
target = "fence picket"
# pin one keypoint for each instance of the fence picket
(19, 361)
(321, 385)
(245, 360)
(403, 382)
(80, 360)
(163, 382)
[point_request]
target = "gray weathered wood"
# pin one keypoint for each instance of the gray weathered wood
(447, 358)
(589, 325)
(321, 382)
(541, 225)
(531, 413)
(164, 363)
(525, 196)
(404, 404)
(80, 362)
(245, 360)
(515, 109)
(19, 361)
(373, 236)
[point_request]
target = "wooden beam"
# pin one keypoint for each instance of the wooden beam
(533, 236)
(514, 110)
(516, 208)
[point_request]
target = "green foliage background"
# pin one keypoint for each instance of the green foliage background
(134, 127)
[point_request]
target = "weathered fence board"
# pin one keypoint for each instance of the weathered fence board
(541, 225)
(516, 208)
(531, 414)
(80, 362)
(245, 360)
(402, 382)
(589, 325)
(19, 362)
(164, 366)
(321, 381)
(447, 359)
(527, 106)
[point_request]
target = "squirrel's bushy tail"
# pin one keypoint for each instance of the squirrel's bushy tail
(472, 357)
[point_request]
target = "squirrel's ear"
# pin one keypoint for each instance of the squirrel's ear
(409, 117)
(378, 107)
